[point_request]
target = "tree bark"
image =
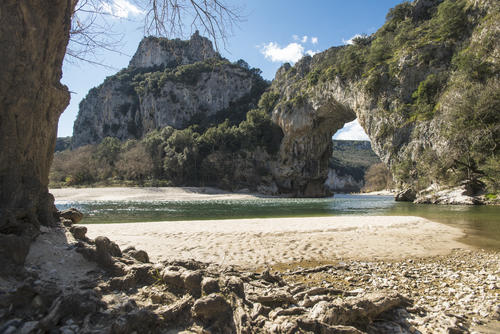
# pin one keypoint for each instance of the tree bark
(33, 39)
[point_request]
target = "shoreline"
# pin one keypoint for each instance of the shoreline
(253, 243)
(139, 194)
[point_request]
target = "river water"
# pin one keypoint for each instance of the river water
(480, 223)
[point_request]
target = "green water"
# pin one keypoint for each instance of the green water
(481, 223)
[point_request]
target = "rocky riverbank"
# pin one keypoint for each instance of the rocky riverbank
(72, 284)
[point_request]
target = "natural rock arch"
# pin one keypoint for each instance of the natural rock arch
(309, 118)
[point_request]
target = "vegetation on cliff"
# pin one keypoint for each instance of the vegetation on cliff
(425, 86)
(137, 100)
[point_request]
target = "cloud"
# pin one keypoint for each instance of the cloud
(295, 37)
(314, 40)
(290, 53)
(311, 52)
(351, 131)
(350, 41)
(304, 39)
(121, 9)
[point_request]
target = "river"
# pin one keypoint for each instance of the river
(480, 223)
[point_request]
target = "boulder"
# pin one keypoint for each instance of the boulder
(105, 249)
(139, 255)
(405, 195)
(73, 214)
(209, 285)
(172, 278)
(78, 232)
(211, 307)
(235, 284)
(192, 281)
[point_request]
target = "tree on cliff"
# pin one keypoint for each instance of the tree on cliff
(34, 36)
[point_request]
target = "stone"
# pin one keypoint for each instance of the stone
(454, 196)
(105, 250)
(66, 222)
(235, 284)
(211, 307)
(172, 278)
(210, 285)
(177, 309)
(405, 195)
(139, 255)
(358, 309)
(78, 232)
(192, 281)
(274, 299)
(73, 214)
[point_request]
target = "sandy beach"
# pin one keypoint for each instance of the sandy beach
(252, 243)
(147, 194)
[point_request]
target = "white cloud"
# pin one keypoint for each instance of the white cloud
(311, 52)
(314, 40)
(304, 39)
(121, 9)
(351, 131)
(290, 53)
(295, 37)
(350, 40)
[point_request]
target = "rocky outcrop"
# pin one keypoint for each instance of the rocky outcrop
(33, 40)
(110, 291)
(409, 98)
(167, 83)
(336, 182)
(309, 117)
(155, 52)
(461, 195)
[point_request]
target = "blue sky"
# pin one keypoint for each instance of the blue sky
(273, 32)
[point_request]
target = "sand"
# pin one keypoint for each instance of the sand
(253, 243)
(146, 194)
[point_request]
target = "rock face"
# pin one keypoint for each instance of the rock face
(342, 183)
(33, 39)
(167, 83)
(171, 53)
(410, 94)
(309, 120)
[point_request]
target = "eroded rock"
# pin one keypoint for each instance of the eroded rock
(211, 307)
(139, 255)
(78, 232)
(72, 214)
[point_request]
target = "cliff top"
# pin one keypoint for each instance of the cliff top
(158, 51)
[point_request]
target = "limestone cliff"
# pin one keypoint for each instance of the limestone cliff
(425, 88)
(167, 83)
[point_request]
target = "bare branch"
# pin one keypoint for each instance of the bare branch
(92, 23)
(212, 17)
(92, 31)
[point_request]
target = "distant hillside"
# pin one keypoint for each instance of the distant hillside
(352, 157)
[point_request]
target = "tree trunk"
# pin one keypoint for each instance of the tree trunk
(33, 39)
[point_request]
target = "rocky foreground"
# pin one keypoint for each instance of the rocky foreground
(72, 284)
